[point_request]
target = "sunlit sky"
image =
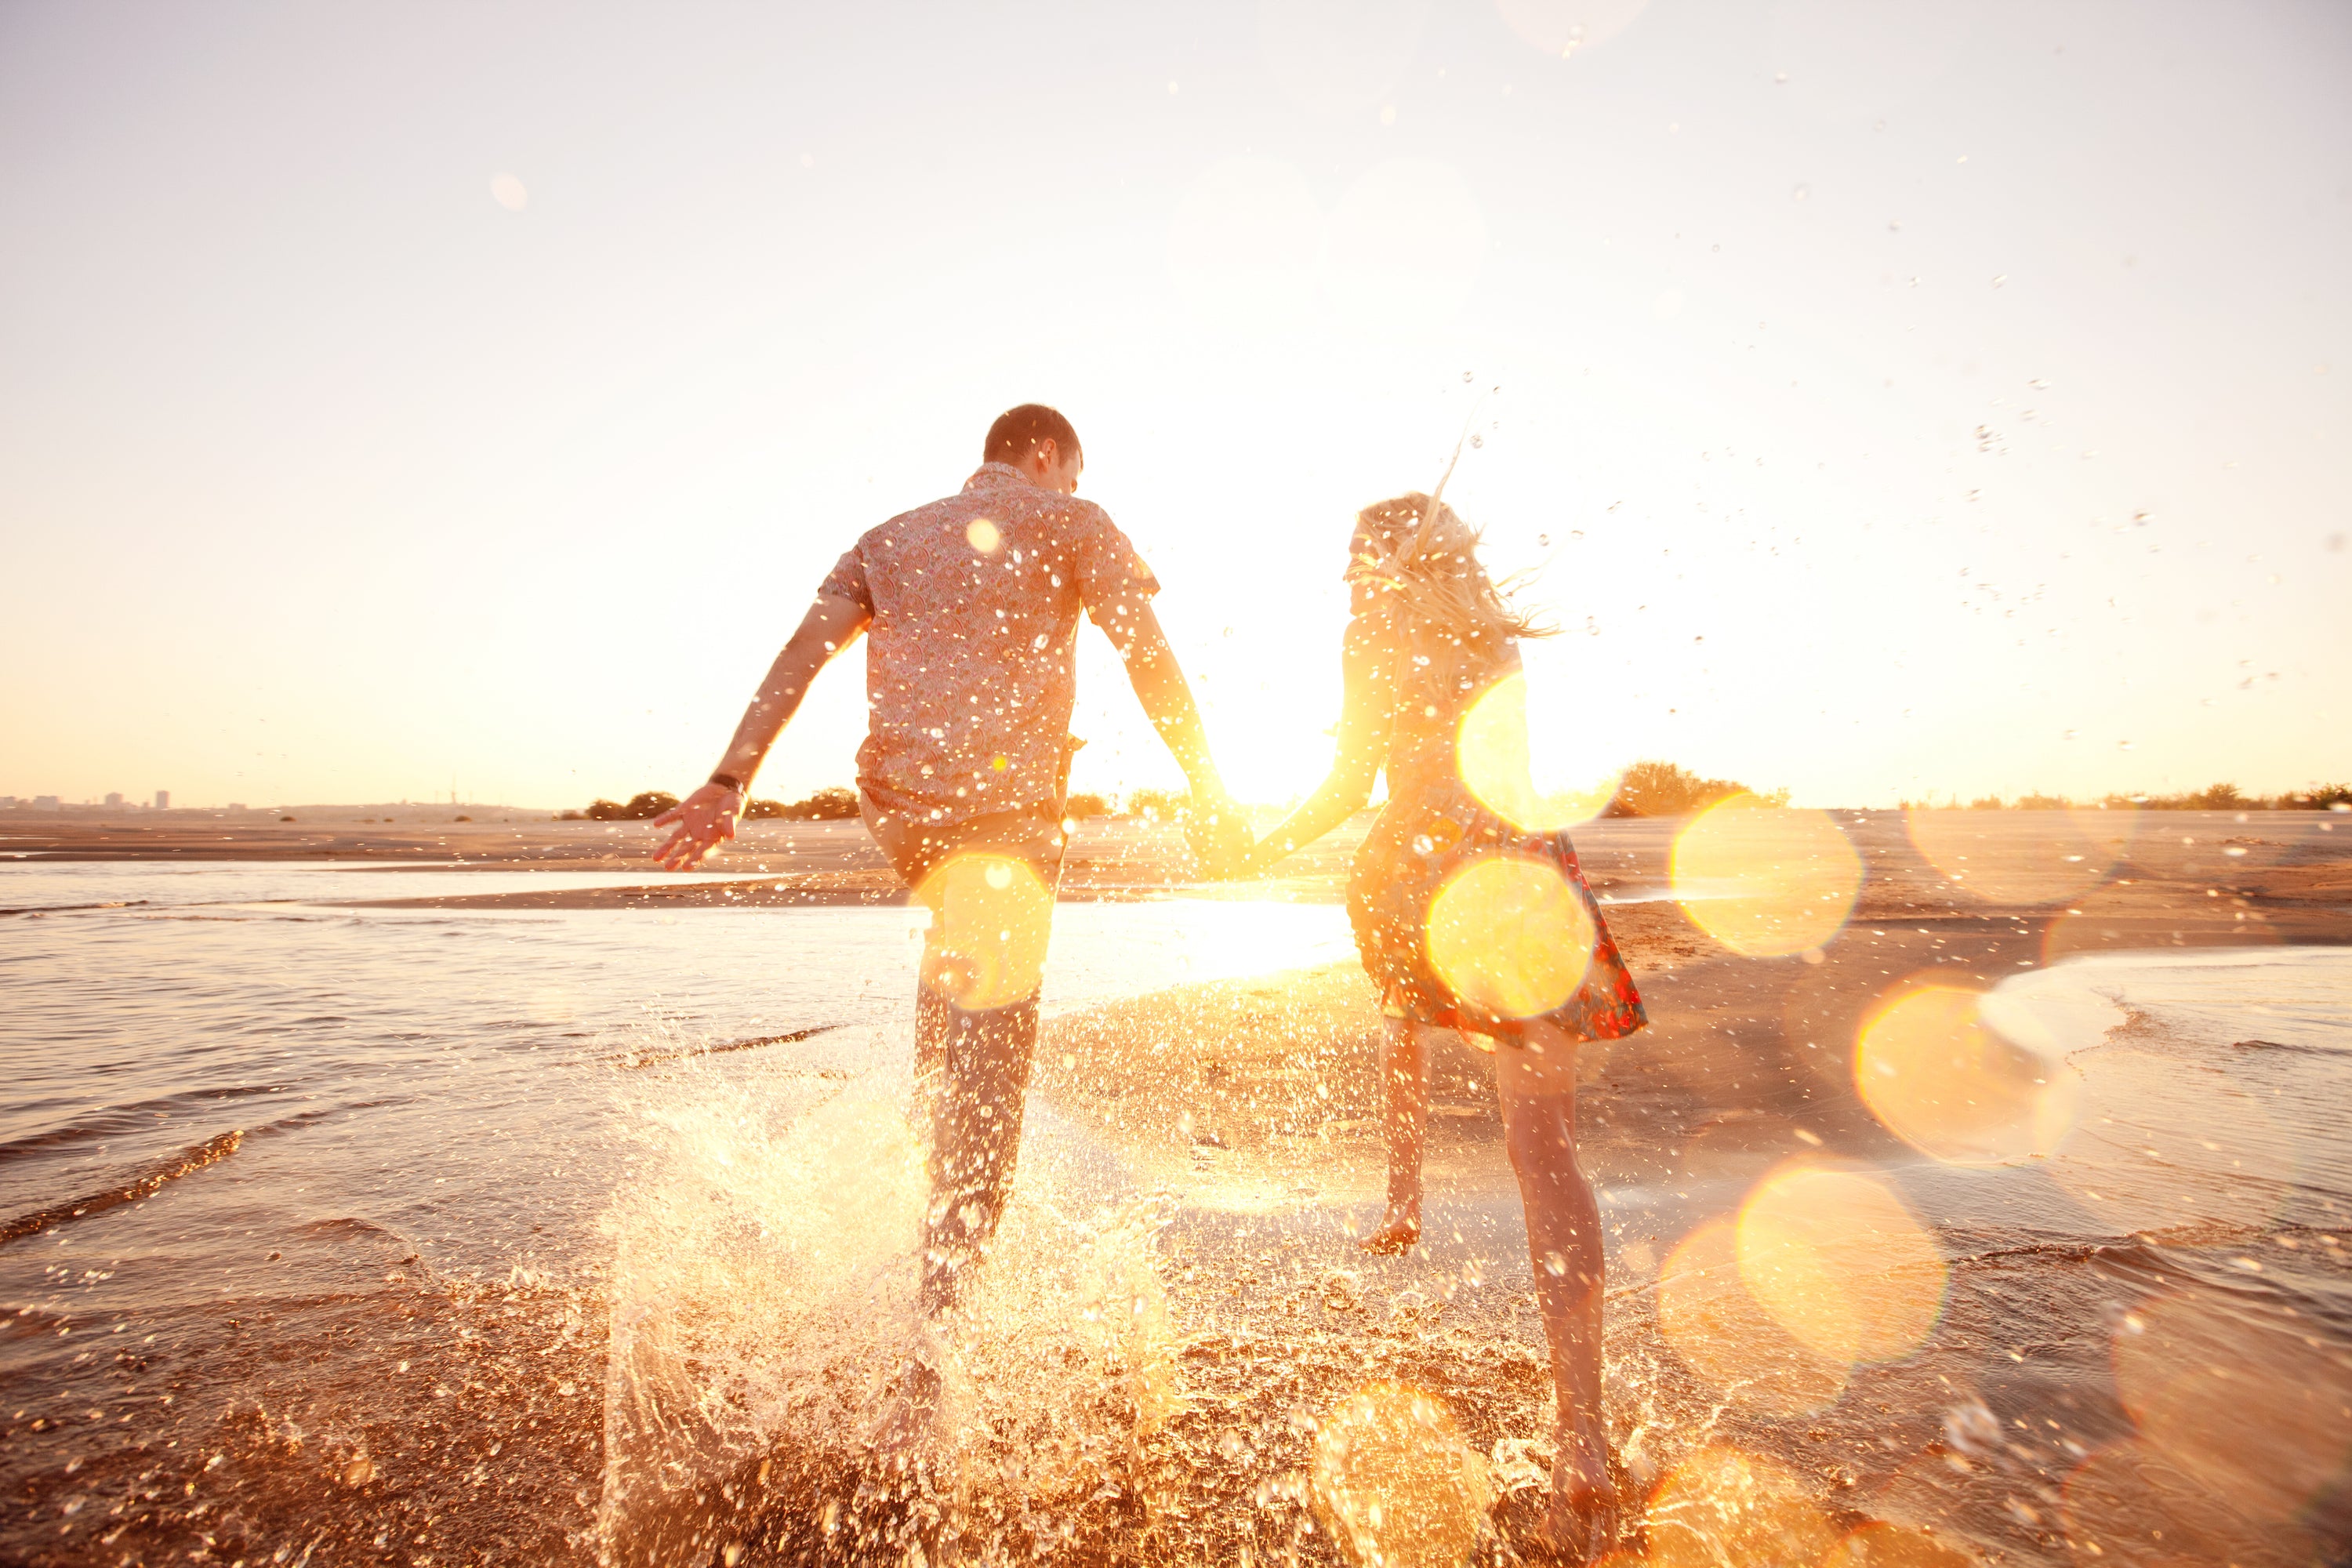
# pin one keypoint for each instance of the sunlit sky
(1894, 399)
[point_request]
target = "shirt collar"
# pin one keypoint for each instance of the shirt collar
(994, 476)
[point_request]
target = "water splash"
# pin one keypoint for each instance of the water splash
(763, 1313)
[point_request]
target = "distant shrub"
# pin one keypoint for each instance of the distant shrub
(1985, 803)
(453, 819)
(2038, 802)
(1086, 804)
(652, 803)
(1155, 804)
(833, 805)
(575, 816)
(1668, 789)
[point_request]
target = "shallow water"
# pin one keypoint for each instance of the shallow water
(376, 1328)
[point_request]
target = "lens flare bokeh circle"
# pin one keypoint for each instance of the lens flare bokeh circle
(2029, 857)
(1509, 936)
(1492, 750)
(991, 916)
(1766, 881)
(1394, 1482)
(1731, 1340)
(1945, 1082)
(1723, 1507)
(1880, 1545)
(1841, 1263)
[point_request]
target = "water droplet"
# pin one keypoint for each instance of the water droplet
(1468, 376)
(510, 193)
(1779, 76)
(1542, 540)
(1999, 278)
(1800, 193)
(1477, 440)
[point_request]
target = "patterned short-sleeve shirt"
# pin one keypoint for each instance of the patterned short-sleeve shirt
(970, 668)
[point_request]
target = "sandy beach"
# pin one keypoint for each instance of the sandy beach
(1248, 1104)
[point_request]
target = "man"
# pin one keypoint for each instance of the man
(971, 604)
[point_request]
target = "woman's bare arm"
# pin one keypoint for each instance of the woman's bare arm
(1363, 742)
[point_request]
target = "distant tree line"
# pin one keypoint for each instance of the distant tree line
(2213, 798)
(834, 805)
(824, 805)
(1648, 789)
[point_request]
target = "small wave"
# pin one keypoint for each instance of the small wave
(119, 1121)
(2284, 1046)
(194, 1158)
(656, 1059)
(62, 908)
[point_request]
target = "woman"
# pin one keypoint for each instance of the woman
(1469, 917)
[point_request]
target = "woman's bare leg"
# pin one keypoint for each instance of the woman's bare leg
(1536, 1079)
(1404, 1083)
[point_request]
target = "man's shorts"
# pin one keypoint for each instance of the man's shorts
(988, 883)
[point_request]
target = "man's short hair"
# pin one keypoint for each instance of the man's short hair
(1017, 432)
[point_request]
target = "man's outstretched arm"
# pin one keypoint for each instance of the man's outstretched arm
(1167, 698)
(708, 815)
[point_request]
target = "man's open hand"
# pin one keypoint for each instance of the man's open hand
(1220, 836)
(698, 823)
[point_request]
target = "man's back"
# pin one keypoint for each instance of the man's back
(971, 666)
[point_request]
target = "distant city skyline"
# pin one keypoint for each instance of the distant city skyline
(1892, 401)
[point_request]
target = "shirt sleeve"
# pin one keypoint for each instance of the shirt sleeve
(847, 580)
(1110, 573)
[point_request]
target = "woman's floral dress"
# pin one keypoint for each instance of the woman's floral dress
(1434, 826)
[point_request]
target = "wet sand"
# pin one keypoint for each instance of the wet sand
(1253, 1103)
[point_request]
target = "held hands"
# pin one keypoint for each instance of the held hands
(1220, 838)
(699, 823)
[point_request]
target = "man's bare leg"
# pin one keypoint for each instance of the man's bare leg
(1536, 1079)
(971, 1073)
(1405, 1082)
(975, 1141)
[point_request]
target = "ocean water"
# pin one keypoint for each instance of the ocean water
(336, 1233)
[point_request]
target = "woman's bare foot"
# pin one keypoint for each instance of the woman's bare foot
(1581, 1526)
(1399, 1230)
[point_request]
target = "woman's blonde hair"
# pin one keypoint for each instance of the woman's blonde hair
(1415, 558)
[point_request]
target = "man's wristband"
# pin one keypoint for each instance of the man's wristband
(727, 782)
